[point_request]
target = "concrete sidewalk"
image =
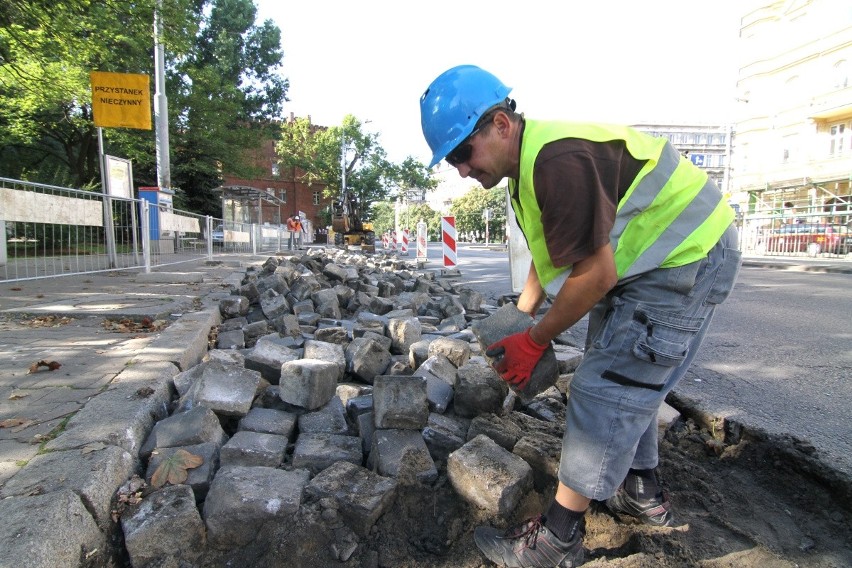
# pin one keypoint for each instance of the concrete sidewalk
(94, 326)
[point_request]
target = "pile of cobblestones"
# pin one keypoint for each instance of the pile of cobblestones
(334, 381)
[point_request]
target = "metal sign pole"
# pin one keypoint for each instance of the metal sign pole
(109, 229)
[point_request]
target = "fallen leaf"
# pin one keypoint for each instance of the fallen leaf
(144, 392)
(16, 289)
(12, 422)
(173, 469)
(26, 424)
(17, 395)
(127, 325)
(51, 366)
(48, 321)
(132, 485)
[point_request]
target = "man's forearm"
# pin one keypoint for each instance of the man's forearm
(532, 295)
(589, 281)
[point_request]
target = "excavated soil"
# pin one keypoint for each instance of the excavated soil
(748, 505)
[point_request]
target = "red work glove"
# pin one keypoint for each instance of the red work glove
(516, 357)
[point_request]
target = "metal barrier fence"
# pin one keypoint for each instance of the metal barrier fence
(48, 231)
(815, 236)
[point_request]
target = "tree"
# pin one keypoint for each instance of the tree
(227, 93)
(223, 84)
(384, 218)
(46, 52)
(469, 210)
(323, 154)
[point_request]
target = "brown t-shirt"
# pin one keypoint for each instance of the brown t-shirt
(578, 184)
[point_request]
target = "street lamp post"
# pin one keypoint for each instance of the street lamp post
(487, 214)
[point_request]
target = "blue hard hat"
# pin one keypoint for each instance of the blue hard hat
(453, 103)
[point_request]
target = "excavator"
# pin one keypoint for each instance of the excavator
(348, 225)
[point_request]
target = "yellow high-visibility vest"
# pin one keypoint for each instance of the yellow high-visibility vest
(671, 214)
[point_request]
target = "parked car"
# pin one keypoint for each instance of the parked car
(218, 235)
(810, 238)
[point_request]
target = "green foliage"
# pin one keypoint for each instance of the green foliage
(469, 211)
(383, 215)
(223, 84)
(46, 52)
(324, 156)
(384, 218)
(413, 214)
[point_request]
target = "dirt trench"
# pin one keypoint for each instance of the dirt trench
(745, 505)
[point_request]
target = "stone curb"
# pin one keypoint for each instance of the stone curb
(66, 517)
(792, 265)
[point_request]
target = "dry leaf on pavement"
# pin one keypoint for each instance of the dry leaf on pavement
(14, 422)
(50, 365)
(47, 321)
(127, 325)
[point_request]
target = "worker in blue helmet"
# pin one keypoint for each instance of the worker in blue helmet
(620, 227)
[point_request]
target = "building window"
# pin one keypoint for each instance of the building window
(837, 133)
(284, 195)
(316, 197)
(841, 75)
(275, 170)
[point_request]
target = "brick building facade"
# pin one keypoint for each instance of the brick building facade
(281, 182)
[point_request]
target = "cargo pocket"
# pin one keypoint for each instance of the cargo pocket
(655, 344)
(726, 276)
(610, 324)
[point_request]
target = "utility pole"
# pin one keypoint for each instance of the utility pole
(161, 104)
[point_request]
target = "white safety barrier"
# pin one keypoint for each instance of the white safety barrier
(421, 241)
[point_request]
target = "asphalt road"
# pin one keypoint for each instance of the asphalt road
(778, 356)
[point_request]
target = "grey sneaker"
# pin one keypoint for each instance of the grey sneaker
(656, 511)
(530, 545)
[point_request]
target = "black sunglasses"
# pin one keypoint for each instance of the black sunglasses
(463, 151)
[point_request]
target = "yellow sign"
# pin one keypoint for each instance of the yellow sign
(121, 100)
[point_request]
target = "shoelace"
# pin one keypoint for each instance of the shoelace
(528, 531)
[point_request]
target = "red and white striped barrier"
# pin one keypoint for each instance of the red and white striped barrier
(448, 237)
(385, 243)
(404, 246)
(394, 240)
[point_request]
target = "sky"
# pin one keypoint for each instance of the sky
(619, 61)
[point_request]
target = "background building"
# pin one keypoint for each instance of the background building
(792, 150)
(708, 146)
(273, 195)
